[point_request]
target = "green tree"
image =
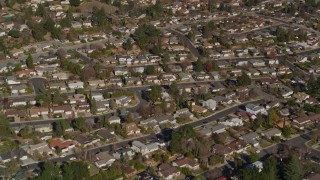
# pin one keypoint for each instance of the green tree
(293, 169)
(17, 67)
(186, 132)
(41, 11)
(80, 124)
(146, 36)
(244, 80)
(74, 3)
(57, 98)
(48, 24)
(198, 66)
(38, 32)
(150, 70)
(253, 157)
(49, 171)
(29, 62)
(60, 127)
(75, 170)
(173, 89)
(286, 131)
(99, 18)
(127, 45)
(65, 22)
(5, 128)
(155, 93)
(272, 116)
(25, 132)
(14, 33)
(10, 3)
(212, 5)
(93, 106)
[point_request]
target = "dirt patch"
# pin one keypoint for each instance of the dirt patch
(88, 6)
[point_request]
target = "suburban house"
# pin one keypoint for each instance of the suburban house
(75, 85)
(251, 138)
(85, 141)
(139, 147)
(62, 145)
(13, 154)
(123, 100)
(114, 120)
(43, 128)
(42, 148)
(132, 129)
(12, 80)
(59, 111)
(186, 162)
(209, 129)
(106, 134)
(232, 122)
(104, 159)
(255, 109)
(168, 172)
(272, 132)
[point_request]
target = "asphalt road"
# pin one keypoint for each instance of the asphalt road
(184, 40)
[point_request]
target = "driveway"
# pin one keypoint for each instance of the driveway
(38, 84)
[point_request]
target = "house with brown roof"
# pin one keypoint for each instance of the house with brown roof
(168, 172)
(198, 109)
(106, 134)
(186, 162)
(62, 110)
(16, 115)
(38, 111)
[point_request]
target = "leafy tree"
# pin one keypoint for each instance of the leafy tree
(57, 98)
(41, 11)
(74, 3)
(272, 116)
(293, 169)
(75, 170)
(127, 45)
(5, 128)
(65, 22)
(146, 36)
(198, 66)
(28, 13)
(38, 32)
(17, 67)
(49, 171)
(48, 24)
(253, 157)
(215, 159)
(80, 124)
(286, 131)
(212, 5)
(173, 89)
(244, 80)
(155, 93)
(10, 3)
(99, 18)
(14, 33)
(113, 173)
(29, 62)
(60, 127)
(150, 70)
(93, 106)
(25, 132)
(183, 133)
